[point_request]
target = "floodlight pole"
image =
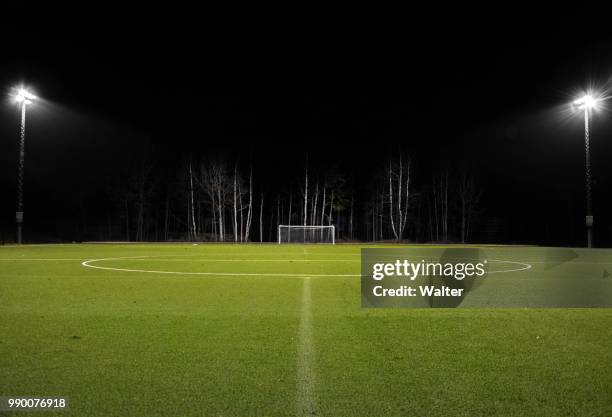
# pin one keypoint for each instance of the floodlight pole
(19, 213)
(589, 203)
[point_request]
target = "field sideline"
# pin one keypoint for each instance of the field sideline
(278, 330)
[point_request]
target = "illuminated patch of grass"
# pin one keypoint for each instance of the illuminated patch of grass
(142, 344)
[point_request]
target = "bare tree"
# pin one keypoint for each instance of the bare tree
(399, 182)
(261, 218)
(439, 206)
(208, 182)
(235, 205)
(192, 221)
(306, 195)
(241, 211)
(331, 207)
(250, 209)
(290, 202)
(215, 182)
(278, 210)
(314, 206)
(323, 206)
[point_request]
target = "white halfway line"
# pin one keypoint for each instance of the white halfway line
(306, 404)
(41, 259)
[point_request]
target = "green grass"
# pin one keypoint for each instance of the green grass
(146, 344)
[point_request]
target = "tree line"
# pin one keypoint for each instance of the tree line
(224, 200)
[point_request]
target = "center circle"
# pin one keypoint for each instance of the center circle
(92, 263)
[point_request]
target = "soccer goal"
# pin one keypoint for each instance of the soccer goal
(306, 234)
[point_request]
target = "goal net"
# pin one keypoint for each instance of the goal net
(306, 234)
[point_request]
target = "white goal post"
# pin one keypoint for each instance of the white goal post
(306, 234)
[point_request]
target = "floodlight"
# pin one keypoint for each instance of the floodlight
(586, 102)
(24, 96)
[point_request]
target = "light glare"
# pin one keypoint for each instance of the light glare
(26, 94)
(22, 95)
(586, 102)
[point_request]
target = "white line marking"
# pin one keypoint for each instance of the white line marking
(88, 264)
(306, 403)
(524, 267)
(233, 274)
(41, 259)
(245, 260)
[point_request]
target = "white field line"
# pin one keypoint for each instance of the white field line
(568, 262)
(524, 266)
(41, 259)
(243, 260)
(233, 274)
(306, 402)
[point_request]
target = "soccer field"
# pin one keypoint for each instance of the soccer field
(278, 330)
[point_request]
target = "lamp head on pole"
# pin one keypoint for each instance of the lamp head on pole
(22, 95)
(586, 102)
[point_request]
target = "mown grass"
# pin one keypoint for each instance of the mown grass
(143, 344)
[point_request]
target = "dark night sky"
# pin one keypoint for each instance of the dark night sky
(490, 98)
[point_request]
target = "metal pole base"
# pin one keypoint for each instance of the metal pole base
(589, 238)
(589, 227)
(19, 219)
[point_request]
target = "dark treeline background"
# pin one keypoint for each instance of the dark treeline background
(232, 199)
(147, 132)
